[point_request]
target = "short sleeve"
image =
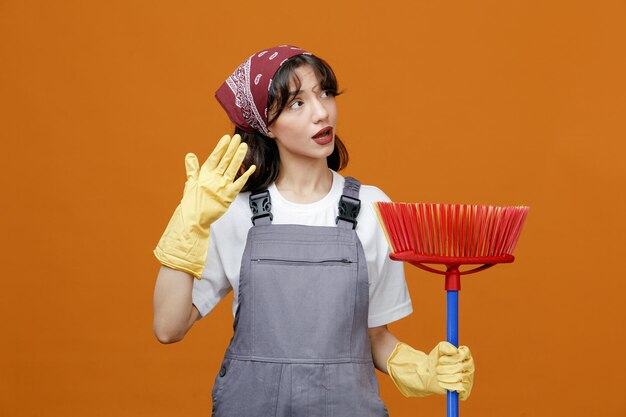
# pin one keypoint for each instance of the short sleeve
(213, 285)
(389, 295)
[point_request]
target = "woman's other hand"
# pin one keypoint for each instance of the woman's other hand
(455, 368)
(445, 368)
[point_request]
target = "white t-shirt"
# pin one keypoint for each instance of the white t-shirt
(389, 297)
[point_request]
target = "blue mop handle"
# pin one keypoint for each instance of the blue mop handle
(453, 337)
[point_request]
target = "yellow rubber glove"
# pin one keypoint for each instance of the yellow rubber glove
(208, 193)
(445, 368)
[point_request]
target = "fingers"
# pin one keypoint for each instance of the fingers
(236, 162)
(458, 382)
(461, 383)
(450, 369)
(244, 178)
(449, 354)
(455, 368)
(228, 156)
(461, 361)
(216, 156)
(464, 350)
(451, 379)
(452, 358)
(191, 165)
(468, 382)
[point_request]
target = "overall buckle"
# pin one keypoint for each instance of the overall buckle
(261, 206)
(349, 208)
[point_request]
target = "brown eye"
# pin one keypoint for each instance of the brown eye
(296, 104)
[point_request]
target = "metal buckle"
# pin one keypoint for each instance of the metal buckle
(349, 208)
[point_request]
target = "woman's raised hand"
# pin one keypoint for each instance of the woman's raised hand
(209, 190)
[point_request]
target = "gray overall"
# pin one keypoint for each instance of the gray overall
(300, 346)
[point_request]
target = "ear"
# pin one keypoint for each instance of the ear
(270, 134)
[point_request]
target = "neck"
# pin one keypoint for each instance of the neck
(304, 182)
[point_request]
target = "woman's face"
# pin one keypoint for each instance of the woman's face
(306, 126)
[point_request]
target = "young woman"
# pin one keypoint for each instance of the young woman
(268, 217)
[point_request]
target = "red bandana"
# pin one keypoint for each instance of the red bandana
(244, 94)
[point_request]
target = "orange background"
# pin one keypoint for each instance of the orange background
(478, 102)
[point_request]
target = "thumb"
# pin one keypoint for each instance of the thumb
(191, 166)
(447, 349)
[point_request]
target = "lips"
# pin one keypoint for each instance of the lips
(324, 136)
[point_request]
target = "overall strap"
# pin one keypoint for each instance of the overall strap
(349, 204)
(261, 206)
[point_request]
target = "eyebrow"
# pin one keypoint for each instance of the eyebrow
(296, 92)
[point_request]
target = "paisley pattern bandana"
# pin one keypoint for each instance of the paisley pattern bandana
(244, 94)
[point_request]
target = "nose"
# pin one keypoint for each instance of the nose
(320, 112)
